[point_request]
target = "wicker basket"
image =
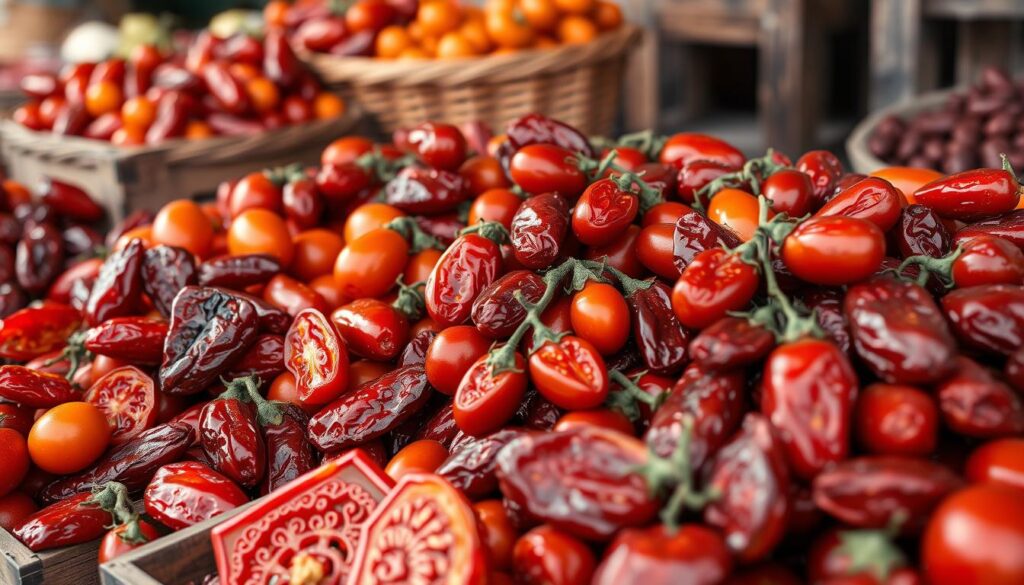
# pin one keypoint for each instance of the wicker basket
(857, 149)
(577, 84)
(146, 177)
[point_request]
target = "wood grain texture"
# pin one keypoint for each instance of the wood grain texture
(69, 565)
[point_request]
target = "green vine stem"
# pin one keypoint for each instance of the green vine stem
(646, 141)
(675, 475)
(247, 389)
(112, 497)
(383, 168)
(940, 268)
(74, 352)
(418, 239)
(873, 550)
(624, 179)
(410, 301)
(629, 394)
(753, 173)
(283, 175)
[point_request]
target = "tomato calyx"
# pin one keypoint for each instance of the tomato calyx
(625, 180)
(418, 239)
(871, 550)
(940, 268)
(112, 497)
(281, 176)
(410, 301)
(74, 352)
(491, 230)
(625, 399)
(646, 141)
(383, 168)
(675, 475)
(247, 389)
(753, 173)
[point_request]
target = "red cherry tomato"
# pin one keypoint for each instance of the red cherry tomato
(603, 213)
(127, 397)
(546, 168)
(789, 191)
(484, 402)
(988, 260)
(315, 355)
(998, 461)
(897, 420)
(687, 147)
(600, 315)
(834, 250)
(546, 556)
(451, 354)
(369, 265)
(372, 329)
(570, 373)
(14, 460)
(713, 284)
(115, 545)
(423, 456)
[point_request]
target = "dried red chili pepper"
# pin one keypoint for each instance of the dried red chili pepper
(34, 389)
(71, 521)
(238, 272)
(117, 291)
(538, 230)
(265, 359)
(463, 271)
(165, 271)
(289, 454)
(229, 432)
(186, 493)
(38, 257)
(34, 331)
(137, 340)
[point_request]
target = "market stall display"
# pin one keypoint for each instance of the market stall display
(576, 360)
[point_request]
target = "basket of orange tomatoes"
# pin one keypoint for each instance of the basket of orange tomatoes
(162, 124)
(406, 60)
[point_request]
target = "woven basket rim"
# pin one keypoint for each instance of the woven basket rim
(366, 71)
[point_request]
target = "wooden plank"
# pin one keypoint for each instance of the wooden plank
(981, 44)
(68, 565)
(974, 9)
(896, 32)
(641, 94)
(787, 115)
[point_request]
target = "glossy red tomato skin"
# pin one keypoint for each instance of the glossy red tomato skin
(694, 554)
(451, 354)
(808, 395)
(438, 145)
(998, 461)
(789, 191)
(697, 174)
(687, 147)
(465, 269)
(713, 284)
(655, 250)
(971, 195)
(547, 556)
(15, 507)
(114, 546)
(834, 250)
(544, 168)
(824, 169)
(372, 329)
(324, 378)
(497, 532)
(621, 253)
(603, 212)
(570, 373)
(484, 402)
(985, 513)
(896, 420)
(872, 199)
(598, 417)
(15, 461)
(600, 315)
(498, 205)
(988, 260)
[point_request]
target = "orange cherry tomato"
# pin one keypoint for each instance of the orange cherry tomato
(329, 290)
(103, 97)
(346, 149)
(607, 15)
(368, 217)
(182, 223)
(275, 13)
(454, 46)
(484, 173)
(475, 32)
(907, 179)
(369, 265)
(541, 14)
(576, 30)
(327, 105)
(498, 205)
(600, 315)
(259, 231)
(507, 24)
(263, 94)
(392, 40)
(437, 17)
(579, 7)
(138, 113)
(424, 455)
(736, 210)
(198, 130)
(420, 265)
(68, 438)
(315, 253)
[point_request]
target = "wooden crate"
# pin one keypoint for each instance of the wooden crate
(69, 565)
(182, 558)
(146, 177)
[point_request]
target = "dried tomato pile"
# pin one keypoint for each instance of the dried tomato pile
(564, 361)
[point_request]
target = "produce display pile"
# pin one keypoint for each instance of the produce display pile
(440, 29)
(975, 127)
(541, 358)
(241, 85)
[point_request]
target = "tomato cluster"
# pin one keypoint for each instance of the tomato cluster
(441, 29)
(539, 357)
(236, 86)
